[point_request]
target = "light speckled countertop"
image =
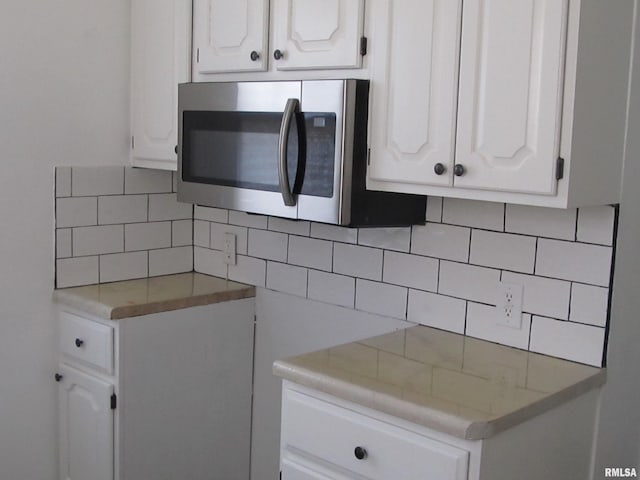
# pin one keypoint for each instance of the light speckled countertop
(132, 298)
(454, 384)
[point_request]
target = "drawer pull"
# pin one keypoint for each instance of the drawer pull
(79, 342)
(58, 377)
(360, 453)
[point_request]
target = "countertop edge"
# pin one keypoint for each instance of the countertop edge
(95, 307)
(424, 416)
(443, 422)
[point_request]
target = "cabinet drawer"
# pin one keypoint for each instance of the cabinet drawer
(87, 341)
(314, 428)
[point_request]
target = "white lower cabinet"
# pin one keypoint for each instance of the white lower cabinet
(161, 396)
(327, 438)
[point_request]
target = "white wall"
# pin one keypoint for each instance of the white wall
(63, 101)
(619, 430)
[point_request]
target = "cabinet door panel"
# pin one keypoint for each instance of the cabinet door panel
(318, 33)
(414, 90)
(511, 74)
(226, 32)
(160, 59)
(86, 426)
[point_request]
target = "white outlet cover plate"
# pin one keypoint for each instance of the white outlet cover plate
(509, 305)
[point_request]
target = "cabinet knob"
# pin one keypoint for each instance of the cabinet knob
(439, 168)
(278, 54)
(360, 453)
(254, 56)
(58, 377)
(79, 342)
(175, 149)
(459, 170)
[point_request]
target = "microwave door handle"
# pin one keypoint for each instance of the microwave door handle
(283, 171)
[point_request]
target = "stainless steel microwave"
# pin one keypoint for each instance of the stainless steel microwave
(293, 149)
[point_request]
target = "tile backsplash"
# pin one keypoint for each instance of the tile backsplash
(443, 274)
(116, 223)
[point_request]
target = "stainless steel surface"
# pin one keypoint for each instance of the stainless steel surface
(290, 110)
(330, 96)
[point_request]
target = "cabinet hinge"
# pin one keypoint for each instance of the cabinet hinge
(559, 168)
(133, 143)
(114, 401)
(368, 157)
(363, 46)
(197, 55)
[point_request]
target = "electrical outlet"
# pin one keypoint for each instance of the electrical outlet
(229, 248)
(509, 305)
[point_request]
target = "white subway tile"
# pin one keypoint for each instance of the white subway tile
(76, 212)
(595, 224)
(145, 236)
(472, 213)
(363, 262)
(168, 261)
(144, 180)
(589, 304)
(218, 231)
(294, 227)
(123, 266)
(63, 181)
(209, 262)
(332, 288)
(268, 245)
(503, 250)
(482, 322)
(248, 270)
(122, 209)
(381, 299)
(410, 271)
(571, 341)
(73, 272)
(541, 222)
(209, 214)
(542, 296)
(434, 209)
(310, 252)
(201, 233)
(334, 232)
(397, 239)
(436, 311)
(469, 282)
(574, 261)
(98, 240)
(287, 278)
(181, 233)
(244, 219)
(63, 243)
(89, 181)
(165, 206)
(441, 241)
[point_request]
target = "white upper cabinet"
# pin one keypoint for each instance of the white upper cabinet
(160, 59)
(317, 33)
(518, 101)
(414, 91)
(511, 71)
(241, 36)
(230, 35)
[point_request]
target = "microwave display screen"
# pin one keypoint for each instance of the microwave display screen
(240, 149)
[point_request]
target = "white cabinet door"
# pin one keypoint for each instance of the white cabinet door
(414, 90)
(297, 471)
(230, 35)
(160, 59)
(317, 33)
(86, 426)
(511, 80)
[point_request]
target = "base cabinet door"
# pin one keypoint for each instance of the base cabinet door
(86, 426)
